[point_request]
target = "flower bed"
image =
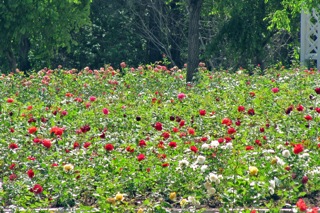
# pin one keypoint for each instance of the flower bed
(146, 140)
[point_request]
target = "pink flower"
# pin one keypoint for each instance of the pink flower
(181, 96)
(275, 90)
(105, 111)
(92, 98)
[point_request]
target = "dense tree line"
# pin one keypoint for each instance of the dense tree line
(79, 33)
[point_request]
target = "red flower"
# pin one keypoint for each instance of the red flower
(166, 135)
(158, 126)
(76, 145)
(54, 165)
(32, 130)
(181, 96)
(182, 123)
(241, 109)
(172, 144)
(317, 90)
(231, 131)
(31, 158)
(249, 148)
(12, 166)
(30, 173)
(261, 129)
(37, 189)
(165, 164)
(253, 211)
(204, 139)
(298, 148)
(226, 121)
(202, 112)
(109, 147)
(317, 109)
(194, 149)
(175, 129)
(301, 205)
(275, 90)
(314, 210)
(258, 142)
(142, 143)
(251, 111)
(238, 123)
(228, 139)
(304, 180)
(86, 144)
(37, 140)
(141, 157)
(13, 146)
(300, 108)
(57, 130)
(308, 117)
(129, 149)
(289, 109)
(10, 100)
(85, 128)
(191, 131)
(46, 143)
(13, 177)
(220, 140)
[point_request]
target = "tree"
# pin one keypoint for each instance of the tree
(38, 28)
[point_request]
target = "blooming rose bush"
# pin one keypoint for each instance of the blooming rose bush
(100, 141)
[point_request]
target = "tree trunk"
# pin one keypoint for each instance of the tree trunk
(193, 38)
(24, 48)
(12, 62)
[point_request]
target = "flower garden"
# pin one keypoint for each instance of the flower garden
(142, 140)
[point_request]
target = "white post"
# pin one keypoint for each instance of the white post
(310, 37)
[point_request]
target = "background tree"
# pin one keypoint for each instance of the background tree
(38, 26)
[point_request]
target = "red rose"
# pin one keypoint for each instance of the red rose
(166, 135)
(249, 148)
(37, 189)
(220, 140)
(32, 130)
(158, 126)
(226, 121)
(317, 90)
(251, 111)
(304, 180)
(317, 109)
(109, 147)
(129, 149)
(298, 148)
(142, 143)
(13, 146)
(172, 144)
(76, 145)
(308, 117)
(175, 129)
(86, 144)
(202, 112)
(231, 131)
(54, 165)
(12, 166)
(182, 123)
(300, 108)
(194, 149)
(105, 111)
(46, 143)
(30, 173)
(241, 109)
(301, 205)
(10, 100)
(228, 139)
(191, 131)
(141, 157)
(13, 177)
(165, 164)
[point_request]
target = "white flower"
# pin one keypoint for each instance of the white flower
(207, 185)
(183, 163)
(211, 191)
(271, 190)
(229, 146)
(193, 201)
(214, 178)
(280, 161)
(201, 159)
(203, 168)
(281, 147)
(214, 144)
(272, 184)
(286, 153)
(304, 155)
(205, 146)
